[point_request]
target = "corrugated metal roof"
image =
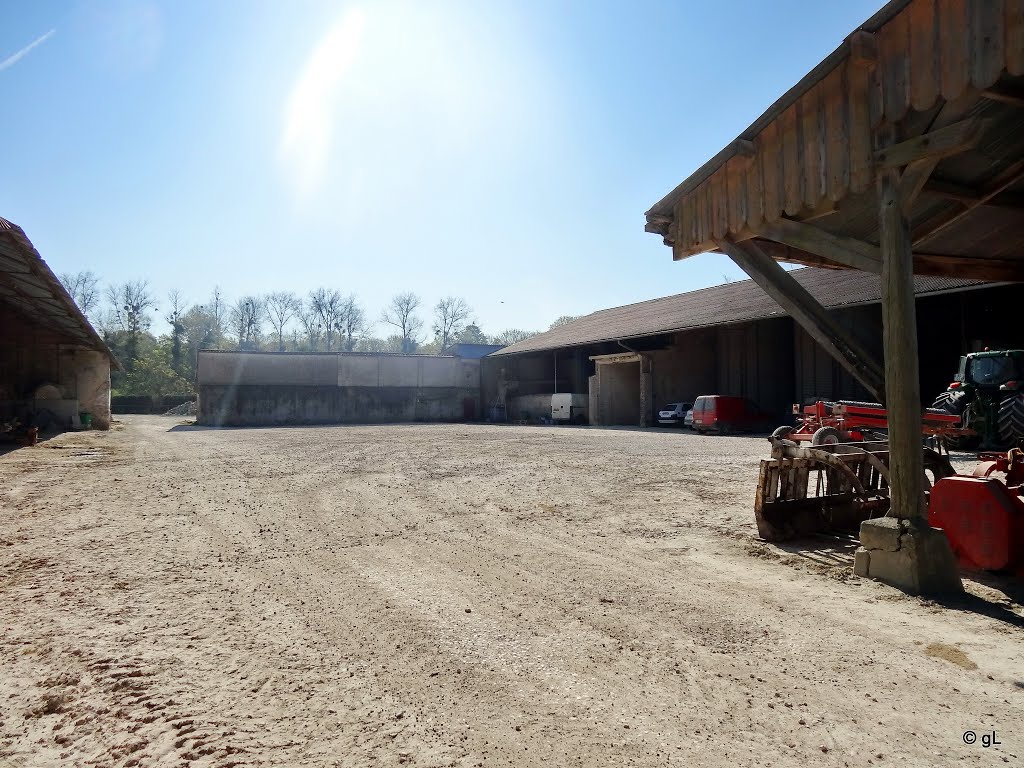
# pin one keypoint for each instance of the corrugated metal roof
(29, 287)
(721, 305)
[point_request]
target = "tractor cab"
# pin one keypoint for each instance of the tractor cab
(991, 370)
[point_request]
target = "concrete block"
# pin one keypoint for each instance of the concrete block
(922, 562)
(861, 559)
(881, 533)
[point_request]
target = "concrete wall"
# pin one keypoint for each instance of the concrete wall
(529, 407)
(32, 356)
(245, 388)
(255, 405)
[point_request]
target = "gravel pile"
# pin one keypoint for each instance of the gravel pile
(185, 409)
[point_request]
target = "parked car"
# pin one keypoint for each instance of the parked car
(674, 414)
(688, 419)
(726, 414)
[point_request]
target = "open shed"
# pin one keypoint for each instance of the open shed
(53, 364)
(902, 153)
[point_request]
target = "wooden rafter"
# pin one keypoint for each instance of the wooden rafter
(845, 251)
(941, 222)
(935, 145)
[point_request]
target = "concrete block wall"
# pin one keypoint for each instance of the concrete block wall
(247, 389)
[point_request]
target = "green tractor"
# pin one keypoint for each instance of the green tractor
(989, 398)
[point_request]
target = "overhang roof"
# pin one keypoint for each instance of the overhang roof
(737, 302)
(813, 156)
(29, 288)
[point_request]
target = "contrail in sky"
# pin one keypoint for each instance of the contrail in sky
(16, 57)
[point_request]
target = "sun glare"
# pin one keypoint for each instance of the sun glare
(305, 143)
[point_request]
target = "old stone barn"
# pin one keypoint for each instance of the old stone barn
(734, 339)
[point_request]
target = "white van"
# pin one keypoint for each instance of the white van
(569, 408)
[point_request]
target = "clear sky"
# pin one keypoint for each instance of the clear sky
(502, 152)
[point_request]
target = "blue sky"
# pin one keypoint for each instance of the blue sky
(502, 152)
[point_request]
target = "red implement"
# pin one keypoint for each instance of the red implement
(982, 516)
(848, 421)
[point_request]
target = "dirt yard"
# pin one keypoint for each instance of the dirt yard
(461, 595)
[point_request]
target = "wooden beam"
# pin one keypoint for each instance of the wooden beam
(940, 143)
(863, 48)
(899, 322)
(744, 148)
(932, 264)
(969, 195)
(808, 312)
(969, 267)
(1004, 94)
(912, 181)
(996, 186)
(846, 251)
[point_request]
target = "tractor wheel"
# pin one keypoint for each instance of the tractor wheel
(1010, 421)
(956, 402)
(783, 433)
(826, 436)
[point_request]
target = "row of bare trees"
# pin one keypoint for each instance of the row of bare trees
(324, 320)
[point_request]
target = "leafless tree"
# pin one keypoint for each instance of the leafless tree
(512, 335)
(311, 326)
(401, 313)
(247, 317)
(130, 303)
(174, 317)
(282, 307)
(563, 320)
(450, 316)
(218, 310)
(327, 305)
(352, 324)
(84, 288)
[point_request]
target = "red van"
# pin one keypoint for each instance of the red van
(726, 414)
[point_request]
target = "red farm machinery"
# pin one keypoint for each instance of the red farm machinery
(831, 472)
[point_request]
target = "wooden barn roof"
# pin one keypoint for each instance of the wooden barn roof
(737, 302)
(801, 181)
(29, 288)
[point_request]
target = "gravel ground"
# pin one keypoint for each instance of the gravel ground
(462, 595)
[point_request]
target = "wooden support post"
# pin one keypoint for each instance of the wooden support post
(899, 321)
(808, 312)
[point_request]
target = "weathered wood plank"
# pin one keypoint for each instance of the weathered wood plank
(755, 192)
(737, 193)
(987, 40)
(861, 154)
(810, 130)
(954, 57)
(771, 172)
(720, 203)
(1014, 44)
(792, 172)
(837, 135)
(944, 142)
(924, 59)
(894, 61)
